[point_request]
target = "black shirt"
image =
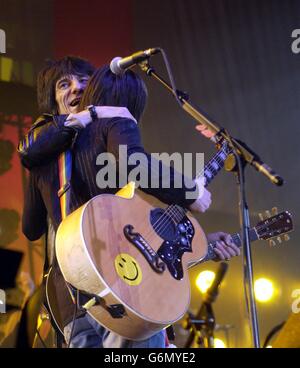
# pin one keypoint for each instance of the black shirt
(105, 135)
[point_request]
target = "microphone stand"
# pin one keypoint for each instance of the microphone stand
(205, 321)
(241, 156)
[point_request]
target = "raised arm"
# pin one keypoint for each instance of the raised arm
(47, 138)
(51, 135)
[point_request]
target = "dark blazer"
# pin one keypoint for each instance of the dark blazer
(39, 152)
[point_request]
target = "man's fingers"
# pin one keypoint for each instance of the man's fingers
(231, 251)
(69, 122)
(228, 239)
(224, 251)
(220, 254)
(230, 244)
(73, 123)
(227, 251)
(201, 127)
(204, 131)
(235, 249)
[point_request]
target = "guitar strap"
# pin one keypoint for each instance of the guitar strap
(65, 173)
(64, 192)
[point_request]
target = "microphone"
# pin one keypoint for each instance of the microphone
(268, 172)
(259, 165)
(119, 65)
(212, 292)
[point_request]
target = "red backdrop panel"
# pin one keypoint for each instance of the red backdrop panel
(96, 30)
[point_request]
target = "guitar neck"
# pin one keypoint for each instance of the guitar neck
(281, 223)
(211, 169)
(211, 255)
(214, 165)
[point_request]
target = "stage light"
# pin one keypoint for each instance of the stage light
(264, 290)
(204, 280)
(219, 344)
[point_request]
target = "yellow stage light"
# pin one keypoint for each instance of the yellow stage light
(264, 290)
(219, 344)
(204, 280)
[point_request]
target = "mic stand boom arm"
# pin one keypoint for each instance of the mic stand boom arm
(238, 146)
(243, 155)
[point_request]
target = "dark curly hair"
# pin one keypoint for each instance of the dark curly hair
(54, 70)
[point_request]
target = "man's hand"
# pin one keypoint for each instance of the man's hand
(78, 120)
(83, 118)
(225, 247)
(204, 131)
(203, 201)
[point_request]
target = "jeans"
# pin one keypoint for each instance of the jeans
(87, 333)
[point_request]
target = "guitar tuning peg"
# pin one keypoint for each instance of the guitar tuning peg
(272, 243)
(275, 211)
(279, 239)
(268, 214)
(286, 237)
(261, 216)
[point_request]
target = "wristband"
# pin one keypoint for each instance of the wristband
(93, 112)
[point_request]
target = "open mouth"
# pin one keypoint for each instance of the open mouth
(75, 102)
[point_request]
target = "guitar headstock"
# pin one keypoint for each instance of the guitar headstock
(272, 227)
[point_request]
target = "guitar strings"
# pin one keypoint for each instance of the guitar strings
(176, 210)
(162, 221)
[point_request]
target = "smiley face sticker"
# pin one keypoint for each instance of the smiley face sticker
(128, 269)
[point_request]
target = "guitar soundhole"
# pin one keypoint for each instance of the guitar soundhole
(163, 224)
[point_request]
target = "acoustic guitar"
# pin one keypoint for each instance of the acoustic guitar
(129, 254)
(131, 257)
